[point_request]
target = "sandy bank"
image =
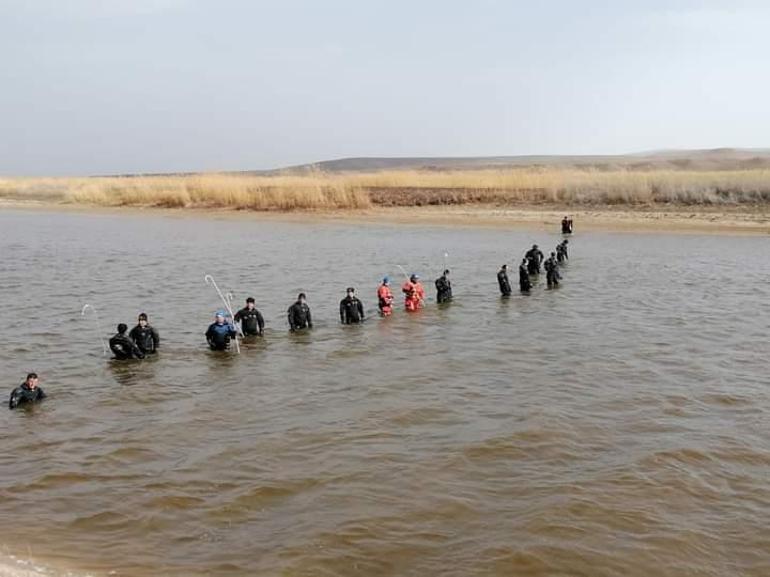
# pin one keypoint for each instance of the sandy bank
(684, 219)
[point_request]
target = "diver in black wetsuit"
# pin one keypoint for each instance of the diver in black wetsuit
(299, 315)
(534, 258)
(252, 322)
(524, 283)
(566, 225)
(561, 252)
(144, 336)
(502, 280)
(351, 308)
(552, 271)
(443, 288)
(27, 392)
(220, 332)
(124, 348)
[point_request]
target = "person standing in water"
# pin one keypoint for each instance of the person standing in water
(561, 252)
(252, 322)
(27, 392)
(299, 315)
(566, 225)
(385, 298)
(552, 271)
(524, 283)
(414, 293)
(124, 348)
(144, 336)
(351, 308)
(534, 258)
(443, 288)
(220, 332)
(502, 280)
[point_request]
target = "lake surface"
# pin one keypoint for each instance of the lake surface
(619, 425)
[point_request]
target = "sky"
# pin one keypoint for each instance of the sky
(130, 86)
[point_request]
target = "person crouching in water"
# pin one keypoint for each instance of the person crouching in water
(27, 392)
(252, 322)
(385, 298)
(443, 288)
(299, 315)
(524, 283)
(414, 293)
(124, 348)
(502, 280)
(552, 271)
(220, 332)
(351, 308)
(144, 336)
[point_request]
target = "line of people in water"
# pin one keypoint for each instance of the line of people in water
(144, 340)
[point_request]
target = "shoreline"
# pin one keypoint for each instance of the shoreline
(753, 220)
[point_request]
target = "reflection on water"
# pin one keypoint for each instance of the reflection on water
(615, 426)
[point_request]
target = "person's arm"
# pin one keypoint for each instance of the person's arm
(136, 351)
(209, 336)
(238, 316)
(290, 316)
(309, 319)
(132, 334)
(155, 339)
(342, 311)
(260, 322)
(232, 333)
(13, 402)
(41, 395)
(361, 309)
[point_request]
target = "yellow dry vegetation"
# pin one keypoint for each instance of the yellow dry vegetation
(354, 190)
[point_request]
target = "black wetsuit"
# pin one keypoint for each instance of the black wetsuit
(146, 338)
(124, 348)
(443, 289)
(505, 285)
(561, 256)
(552, 272)
(218, 336)
(252, 322)
(524, 283)
(534, 258)
(24, 394)
(566, 226)
(351, 311)
(299, 317)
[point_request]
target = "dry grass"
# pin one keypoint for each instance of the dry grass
(320, 190)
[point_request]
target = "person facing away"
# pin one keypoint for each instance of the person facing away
(561, 252)
(220, 332)
(144, 336)
(252, 322)
(552, 271)
(534, 258)
(414, 293)
(502, 280)
(27, 392)
(299, 314)
(566, 225)
(123, 347)
(524, 283)
(351, 308)
(385, 298)
(443, 288)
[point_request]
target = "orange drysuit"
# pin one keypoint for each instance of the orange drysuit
(414, 295)
(385, 298)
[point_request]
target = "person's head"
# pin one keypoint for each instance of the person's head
(553, 254)
(122, 328)
(351, 292)
(524, 261)
(219, 317)
(386, 281)
(565, 217)
(31, 380)
(301, 298)
(250, 303)
(446, 272)
(142, 319)
(565, 241)
(414, 277)
(534, 247)
(504, 267)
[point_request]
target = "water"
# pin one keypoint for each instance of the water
(615, 426)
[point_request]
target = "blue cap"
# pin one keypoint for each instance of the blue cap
(386, 280)
(221, 313)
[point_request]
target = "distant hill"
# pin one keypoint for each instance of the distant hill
(711, 159)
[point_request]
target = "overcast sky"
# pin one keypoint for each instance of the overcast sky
(119, 86)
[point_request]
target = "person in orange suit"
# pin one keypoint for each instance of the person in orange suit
(385, 298)
(414, 293)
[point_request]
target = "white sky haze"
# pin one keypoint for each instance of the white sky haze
(119, 86)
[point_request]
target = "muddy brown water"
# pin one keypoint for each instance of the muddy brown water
(619, 425)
